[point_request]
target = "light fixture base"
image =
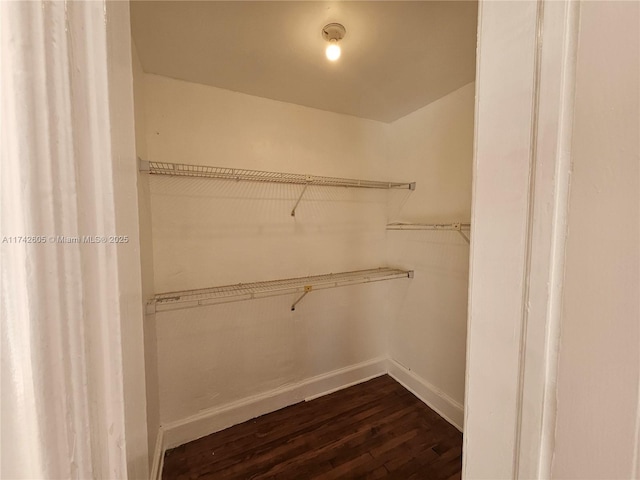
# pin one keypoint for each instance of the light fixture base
(333, 31)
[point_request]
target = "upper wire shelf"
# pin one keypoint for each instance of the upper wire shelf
(459, 227)
(223, 173)
(249, 291)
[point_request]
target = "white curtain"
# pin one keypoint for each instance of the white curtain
(63, 304)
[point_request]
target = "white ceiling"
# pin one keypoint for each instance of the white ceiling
(396, 56)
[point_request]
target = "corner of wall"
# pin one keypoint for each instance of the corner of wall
(154, 433)
(432, 146)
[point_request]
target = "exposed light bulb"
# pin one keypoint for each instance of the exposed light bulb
(333, 51)
(333, 33)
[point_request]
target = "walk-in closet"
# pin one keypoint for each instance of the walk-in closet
(304, 181)
(319, 240)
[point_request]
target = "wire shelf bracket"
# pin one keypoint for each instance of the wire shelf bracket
(459, 227)
(307, 289)
(293, 212)
(249, 291)
(238, 174)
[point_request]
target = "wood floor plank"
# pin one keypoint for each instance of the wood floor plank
(291, 421)
(328, 445)
(376, 429)
(299, 448)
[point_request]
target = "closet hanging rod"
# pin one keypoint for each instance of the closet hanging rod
(223, 173)
(459, 227)
(249, 291)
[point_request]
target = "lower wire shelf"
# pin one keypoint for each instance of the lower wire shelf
(249, 291)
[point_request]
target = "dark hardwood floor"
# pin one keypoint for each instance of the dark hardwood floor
(373, 430)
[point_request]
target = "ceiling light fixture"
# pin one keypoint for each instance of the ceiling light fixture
(333, 33)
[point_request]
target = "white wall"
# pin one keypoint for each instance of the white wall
(599, 363)
(434, 147)
(146, 258)
(215, 233)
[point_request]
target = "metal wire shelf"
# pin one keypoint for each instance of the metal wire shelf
(459, 227)
(240, 174)
(249, 291)
(223, 173)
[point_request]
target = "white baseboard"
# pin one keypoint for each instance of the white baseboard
(436, 399)
(158, 456)
(327, 383)
(215, 419)
(218, 418)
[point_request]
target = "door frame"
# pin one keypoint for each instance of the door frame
(525, 83)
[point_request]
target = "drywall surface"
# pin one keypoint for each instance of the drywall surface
(434, 147)
(139, 109)
(211, 356)
(428, 51)
(597, 429)
(208, 233)
(146, 258)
